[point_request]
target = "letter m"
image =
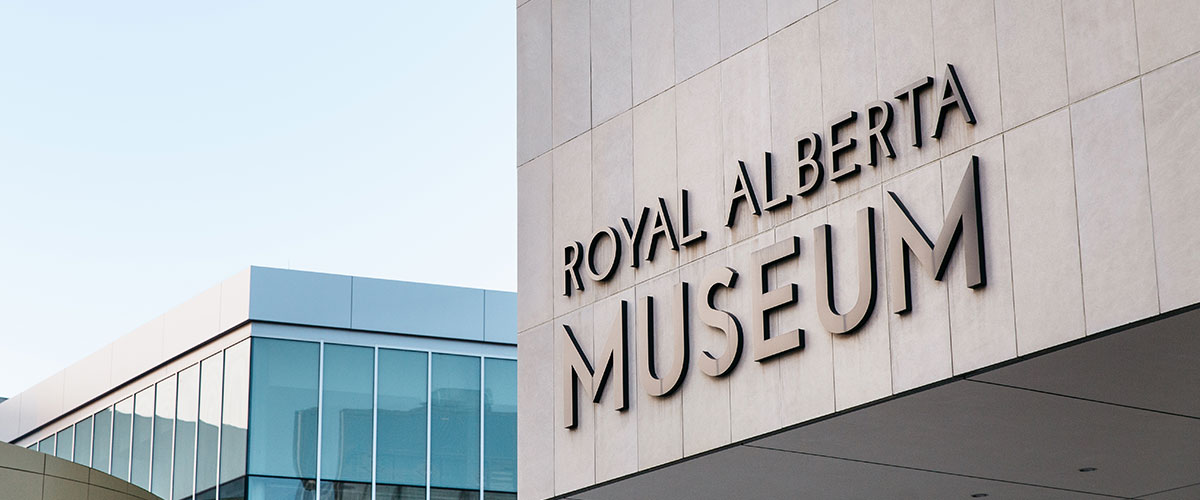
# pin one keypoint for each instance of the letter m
(963, 221)
(575, 367)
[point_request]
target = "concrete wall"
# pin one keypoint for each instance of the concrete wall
(1087, 117)
(30, 475)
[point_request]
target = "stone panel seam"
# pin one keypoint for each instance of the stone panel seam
(1078, 238)
(1149, 192)
(1008, 219)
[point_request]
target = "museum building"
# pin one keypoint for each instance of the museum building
(281, 384)
(858, 249)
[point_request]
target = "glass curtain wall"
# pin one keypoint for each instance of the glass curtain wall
(272, 418)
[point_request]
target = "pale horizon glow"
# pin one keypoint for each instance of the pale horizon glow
(150, 150)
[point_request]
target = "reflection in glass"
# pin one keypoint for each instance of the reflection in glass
(234, 412)
(453, 494)
(83, 442)
(47, 445)
(185, 431)
(499, 495)
(64, 443)
(211, 371)
(143, 418)
(346, 416)
(164, 434)
(454, 422)
(122, 432)
(234, 490)
(102, 439)
(283, 412)
(286, 489)
(403, 401)
(394, 492)
(500, 425)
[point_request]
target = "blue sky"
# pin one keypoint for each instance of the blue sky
(149, 150)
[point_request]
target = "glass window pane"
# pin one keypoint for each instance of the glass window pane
(185, 431)
(346, 414)
(83, 442)
(500, 425)
(143, 418)
(453, 494)
(283, 413)
(393, 492)
(454, 422)
(211, 371)
(236, 489)
(102, 437)
(47, 445)
(164, 437)
(290, 489)
(234, 412)
(122, 433)
(403, 407)
(64, 443)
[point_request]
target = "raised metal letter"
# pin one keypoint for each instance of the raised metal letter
(572, 257)
(878, 130)
(857, 315)
(649, 376)
(904, 236)
(612, 363)
(772, 202)
(634, 232)
(836, 172)
(611, 234)
(913, 94)
(742, 189)
(686, 225)
(662, 227)
(811, 163)
(762, 343)
(716, 366)
(952, 96)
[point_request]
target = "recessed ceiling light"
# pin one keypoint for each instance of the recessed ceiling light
(979, 495)
(1087, 469)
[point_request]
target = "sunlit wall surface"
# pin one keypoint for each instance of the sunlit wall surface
(273, 418)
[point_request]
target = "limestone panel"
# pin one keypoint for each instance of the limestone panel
(1166, 31)
(964, 34)
(659, 419)
(746, 133)
(571, 75)
(795, 74)
(1047, 282)
(1101, 43)
(612, 197)
(920, 338)
(699, 156)
(982, 326)
(1116, 238)
(653, 47)
(572, 180)
(21, 484)
(535, 422)
(612, 59)
(654, 177)
(861, 359)
(705, 399)
(806, 376)
(754, 386)
(533, 80)
(1033, 68)
(64, 488)
(696, 21)
(847, 64)
(904, 56)
(743, 22)
(536, 262)
(574, 449)
(616, 431)
(781, 13)
(1172, 125)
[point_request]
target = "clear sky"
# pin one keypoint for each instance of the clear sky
(149, 150)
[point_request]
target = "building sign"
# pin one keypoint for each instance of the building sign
(961, 229)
